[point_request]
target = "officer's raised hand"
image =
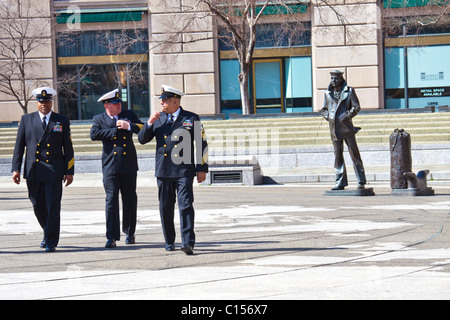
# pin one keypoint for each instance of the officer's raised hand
(154, 117)
(121, 124)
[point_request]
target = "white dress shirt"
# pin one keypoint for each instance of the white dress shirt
(47, 117)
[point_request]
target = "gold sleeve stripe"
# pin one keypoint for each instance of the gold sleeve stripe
(140, 126)
(205, 158)
(71, 163)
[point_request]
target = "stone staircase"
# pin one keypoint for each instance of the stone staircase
(289, 132)
(302, 141)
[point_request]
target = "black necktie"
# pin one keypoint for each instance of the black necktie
(44, 123)
(170, 119)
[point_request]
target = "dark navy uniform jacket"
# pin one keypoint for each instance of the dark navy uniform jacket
(119, 153)
(175, 153)
(339, 113)
(49, 155)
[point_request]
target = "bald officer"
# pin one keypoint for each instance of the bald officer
(115, 128)
(49, 161)
(176, 130)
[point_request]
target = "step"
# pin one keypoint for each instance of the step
(282, 138)
(283, 132)
(366, 121)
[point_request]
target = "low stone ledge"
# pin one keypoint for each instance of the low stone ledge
(234, 170)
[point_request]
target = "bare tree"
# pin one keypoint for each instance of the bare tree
(401, 18)
(237, 24)
(120, 43)
(109, 42)
(240, 20)
(21, 36)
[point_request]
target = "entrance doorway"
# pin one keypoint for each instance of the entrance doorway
(268, 90)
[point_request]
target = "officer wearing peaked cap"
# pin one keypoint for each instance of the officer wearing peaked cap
(176, 130)
(49, 161)
(169, 92)
(115, 128)
(44, 93)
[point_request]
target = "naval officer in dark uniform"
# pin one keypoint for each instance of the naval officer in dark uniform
(49, 162)
(115, 128)
(341, 105)
(176, 130)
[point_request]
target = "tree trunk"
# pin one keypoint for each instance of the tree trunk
(244, 77)
(24, 108)
(23, 104)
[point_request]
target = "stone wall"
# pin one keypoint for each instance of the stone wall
(39, 66)
(177, 61)
(347, 37)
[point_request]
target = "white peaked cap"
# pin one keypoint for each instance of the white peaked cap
(168, 91)
(112, 95)
(41, 90)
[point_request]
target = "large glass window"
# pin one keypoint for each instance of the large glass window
(428, 76)
(395, 76)
(276, 35)
(92, 63)
(98, 43)
(417, 77)
(273, 35)
(268, 86)
(298, 72)
(278, 85)
(230, 93)
(86, 84)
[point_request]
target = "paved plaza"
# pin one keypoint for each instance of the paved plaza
(269, 242)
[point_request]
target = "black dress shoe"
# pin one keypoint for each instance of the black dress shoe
(130, 240)
(50, 249)
(170, 247)
(338, 188)
(110, 244)
(188, 249)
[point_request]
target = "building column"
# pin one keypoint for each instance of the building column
(184, 58)
(347, 37)
(39, 68)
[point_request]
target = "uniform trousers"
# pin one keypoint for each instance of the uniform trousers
(126, 185)
(168, 188)
(46, 200)
(339, 164)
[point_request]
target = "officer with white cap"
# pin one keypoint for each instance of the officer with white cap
(176, 130)
(115, 128)
(49, 161)
(44, 93)
(170, 92)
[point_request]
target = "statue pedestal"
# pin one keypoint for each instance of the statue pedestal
(355, 192)
(413, 192)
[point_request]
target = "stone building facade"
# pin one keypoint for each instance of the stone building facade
(83, 51)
